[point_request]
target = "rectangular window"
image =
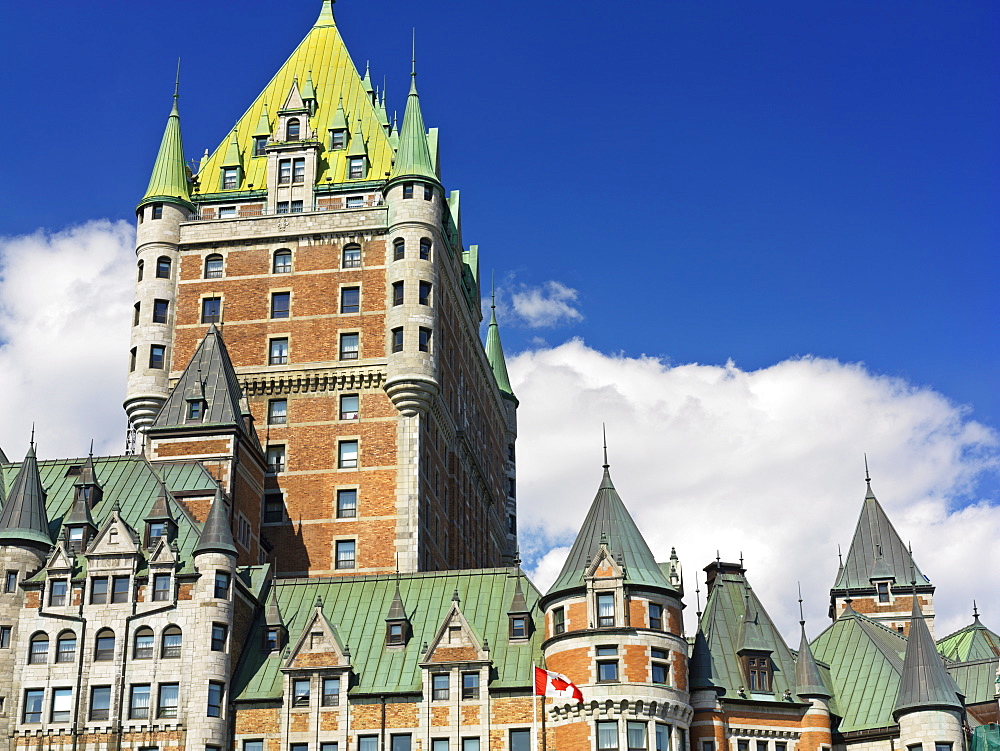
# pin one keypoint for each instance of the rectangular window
(160, 308)
(99, 591)
(397, 293)
(100, 702)
(939, 746)
(272, 638)
(347, 454)
(439, 686)
(470, 685)
(425, 249)
(298, 170)
(350, 300)
(104, 648)
(211, 309)
(57, 593)
(351, 257)
(518, 627)
(338, 140)
(605, 610)
(278, 352)
(120, 589)
(284, 171)
(255, 745)
(230, 178)
(300, 692)
(157, 354)
(282, 262)
(298, 747)
(439, 744)
(349, 406)
(161, 588)
(659, 671)
(166, 703)
(397, 339)
(400, 743)
(33, 699)
(215, 692)
(424, 298)
(349, 345)
(5, 632)
(163, 268)
(398, 249)
(356, 167)
(331, 692)
(227, 212)
(62, 704)
(761, 745)
(138, 704)
(10, 582)
(520, 740)
(195, 409)
(282, 207)
(347, 504)
(221, 589)
(368, 743)
(157, 211)
(662, 736)
(219, 634)
(636, 734)
(277, 412)
(607, 736)
(281, 303)
(656, 616)
(559, 621)
(470, 744)
(355, 202)
(407, 190)
(296, 207)
(883, 592)
(742, 745)
(259, 145)
(607, 671)
(274, 508)
(424, 339)
(345, 554)
(428, 192)
(781, 746)
(66, 648)
(275, 459)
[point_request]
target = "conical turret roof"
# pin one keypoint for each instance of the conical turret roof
(397, 612)
(216, 536)
(272, 614)
(924, 683)
(160, 510)
(23, 518)
(808, 681)
(494, 355)
(414, 156)
(974, 642)
(169, 181)
(609, 523)
(701, 665)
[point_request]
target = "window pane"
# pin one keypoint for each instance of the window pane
(277, 411)
(280, 304)
(520, 740)
(345, 554)
(470, 744)
(349, 407)
(348, 454)
(607, 735)
(662, 738)
(167, 703)
(350, 300)
(275, 458)
(349, 346)
(400, 743)
(636, 735)
(368, 743)
(283, 262)
(278, 354)
(139, 702)
(62, 704)
(347, 504)
(100, 702)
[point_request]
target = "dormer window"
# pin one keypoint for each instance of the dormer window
(518, 627)
(758, 671)
(395, 633)
(605, 610)
(356, 167)
(883, 592)
(272, 639)
(154, 531)
(195, 410)
(259, 145)
(338, 140)
(292, 130)
(230, 178)
(76, 536)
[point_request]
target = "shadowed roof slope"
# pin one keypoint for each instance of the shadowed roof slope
(494, 355)
(23, 517)
(924, 683)
(216, 536)
(608, 521)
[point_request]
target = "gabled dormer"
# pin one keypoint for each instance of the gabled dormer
(357, 156)
(262, 133)
(231, 173)
(605, 579)
(318, 646)
(455, 641)
(78, 522)
(60, 563)
(160, 522)
(519, 623)
(397, 624)
(293, 117)
(275, 631)
(115, 539)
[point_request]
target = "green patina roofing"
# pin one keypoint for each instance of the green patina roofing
(974, 642)
(357, 147)
(217, 536)
(169, 182)
(808, 679)
(413, 159)
(24, 516)
(924, 682)
(976, 680)
(877, 551)
(866, 660)
(731, 604)
(132, 484)
(494, 354)
(609, 523)
(357, 606)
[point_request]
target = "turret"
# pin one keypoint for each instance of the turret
(165, 205)
(810, 687)
(494, 354)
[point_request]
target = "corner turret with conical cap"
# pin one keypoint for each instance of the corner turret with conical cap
(216, 535)
(413, 159)
(169, 182)
(24, 520)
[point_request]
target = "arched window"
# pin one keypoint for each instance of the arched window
(282, 262)
(351, 256)
(398, 249)
(213, 266)
(292, 130)
(162, 267)
(38, 650)
(143, 644)
(139, 273)
(66, 647)
(172, 639)
(104, 645)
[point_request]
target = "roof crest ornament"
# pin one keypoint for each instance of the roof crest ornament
(31, 442)
(177, 81)
(604, 431)
(802, 618)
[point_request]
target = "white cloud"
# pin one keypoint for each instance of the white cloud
(767, 463)
(545, 305)
(65, 299)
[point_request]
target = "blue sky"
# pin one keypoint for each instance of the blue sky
(695, 181)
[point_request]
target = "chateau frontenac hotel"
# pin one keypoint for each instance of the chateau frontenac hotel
(312, 543)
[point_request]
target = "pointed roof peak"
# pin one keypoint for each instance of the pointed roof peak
(414, 156)
(23, 517)
(169, 182)
(397, 611)
(326, 17)
(808, 680)
(216, 536)
(495, 356)
(924, 682)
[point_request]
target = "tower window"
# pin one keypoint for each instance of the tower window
(280, 304)
(605, 610)
(659, 667)
(883, 591)
(195, 410)
(347, 455)
(559, 621)
(135, 315)
(407, 190)
(345, 554)
(607, 670)
(162, 267)
(275, 459)
(349, 346)
(166, 703)
(284, 171)
(213, 266)
(215, 692)
(425, 249)
(428, 192)
(277, 412)
(211, 309)
(424, 339)
(356, 167)
(160, 308)
(131, 362)
(157, 354)
(293, 129)
(230, 178)
(607, 735)
(338, 139)
(758, 672)
(351, 257)
(656, 616)
(424, 297)
(398, 249)
(347, 503)
(138, 275)
(349, 407)
(278, 352)
(221, 585)
(350, 300)
(259, 145)
(397, 293)
(298, 170)
(157, 211)
(397, 339)
(282, 262)
(219, 634)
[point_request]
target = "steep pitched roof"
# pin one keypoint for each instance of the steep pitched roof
(808, 681)
(877, 550)
(976, 680)
(608, 522)
(169, 181)
(334, 75)
(924, 683)
(24, 518)
(216, 536)
(494, 355)
(414, 156)
(974, 642)
(702, 670)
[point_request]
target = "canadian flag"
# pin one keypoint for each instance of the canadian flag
(548, 683)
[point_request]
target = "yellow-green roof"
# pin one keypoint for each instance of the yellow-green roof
(169, 181)
(333, 75)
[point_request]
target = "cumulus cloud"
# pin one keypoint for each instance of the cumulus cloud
(765, 463)
(65, 300)
(544, 305)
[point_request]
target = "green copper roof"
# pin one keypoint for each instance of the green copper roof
(808, 681)
(24, 517)
(924, 682)
(169, 181)
(233, 157)
(357, 147)
(866, 660)
(974, 642)
(357, 607)
(216, 537)
(976, 680)
(608, 522)
(494, 354)
(414, 156)
(877, 551)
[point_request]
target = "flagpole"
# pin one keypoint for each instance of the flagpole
(544, 739)
(534, 705)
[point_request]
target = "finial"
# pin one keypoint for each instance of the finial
(913, 571)
(413, 61)
(493, 290)
(32, 441)
(975, 611)
(455, 597)
(177, 81)
(517, 561)
(802, 618)
(840, 557)
(741, 559)
(868, 477)
(319, 601)
(91, 454)
(697, 595)
(604, 432)
(718, 557)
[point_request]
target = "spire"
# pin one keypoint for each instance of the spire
(272, 614)
(86, 485)
(397, 612)
(366, 81)
(263, 129)
(23, 518)
(517, 603)
(752, 636)
(394, 133)
(309, 90)
(357, 147)
(701, 665)
(340, 117)
(169, 181)
(216, 536)
(326, 14)
(414, 156)
(383, 116)
(924, 682)
(808, 681)
(494, 355)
